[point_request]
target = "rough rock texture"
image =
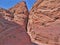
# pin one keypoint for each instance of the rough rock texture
(6, 14)
(11, 32)
(20, 12)
(44, 22)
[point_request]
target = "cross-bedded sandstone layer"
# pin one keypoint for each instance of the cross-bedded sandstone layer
(44, 22)
(13, 26)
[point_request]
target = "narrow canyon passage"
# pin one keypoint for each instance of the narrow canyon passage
(31, 23)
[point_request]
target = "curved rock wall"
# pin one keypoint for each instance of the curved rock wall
(41, 25)
(44, 22)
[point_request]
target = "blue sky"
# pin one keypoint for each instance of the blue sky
(10, 3)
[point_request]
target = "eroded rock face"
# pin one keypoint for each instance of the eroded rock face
(6, 14)
(13, 29)
(12, 33)
(44, 22)
(20, 12)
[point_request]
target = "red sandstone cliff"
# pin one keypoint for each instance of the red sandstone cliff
(13, 26)
(44, 22)
(20, 12)
(6, 14)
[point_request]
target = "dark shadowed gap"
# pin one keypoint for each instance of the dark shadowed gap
(34, 44)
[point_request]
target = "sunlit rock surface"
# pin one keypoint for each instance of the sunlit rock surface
(40, 26)
(44, 22)
(20, 12)
(11, 32)
(6, 14)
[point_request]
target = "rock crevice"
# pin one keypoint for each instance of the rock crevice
(41, 25)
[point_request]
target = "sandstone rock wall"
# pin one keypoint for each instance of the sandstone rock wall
(20, 12)
(41, 25)
(13, 26)
(44, 22)
(6, 14)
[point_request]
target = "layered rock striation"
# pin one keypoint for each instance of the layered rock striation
(41, 25)
(44, 22)
(13, 26)
(20, 12)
